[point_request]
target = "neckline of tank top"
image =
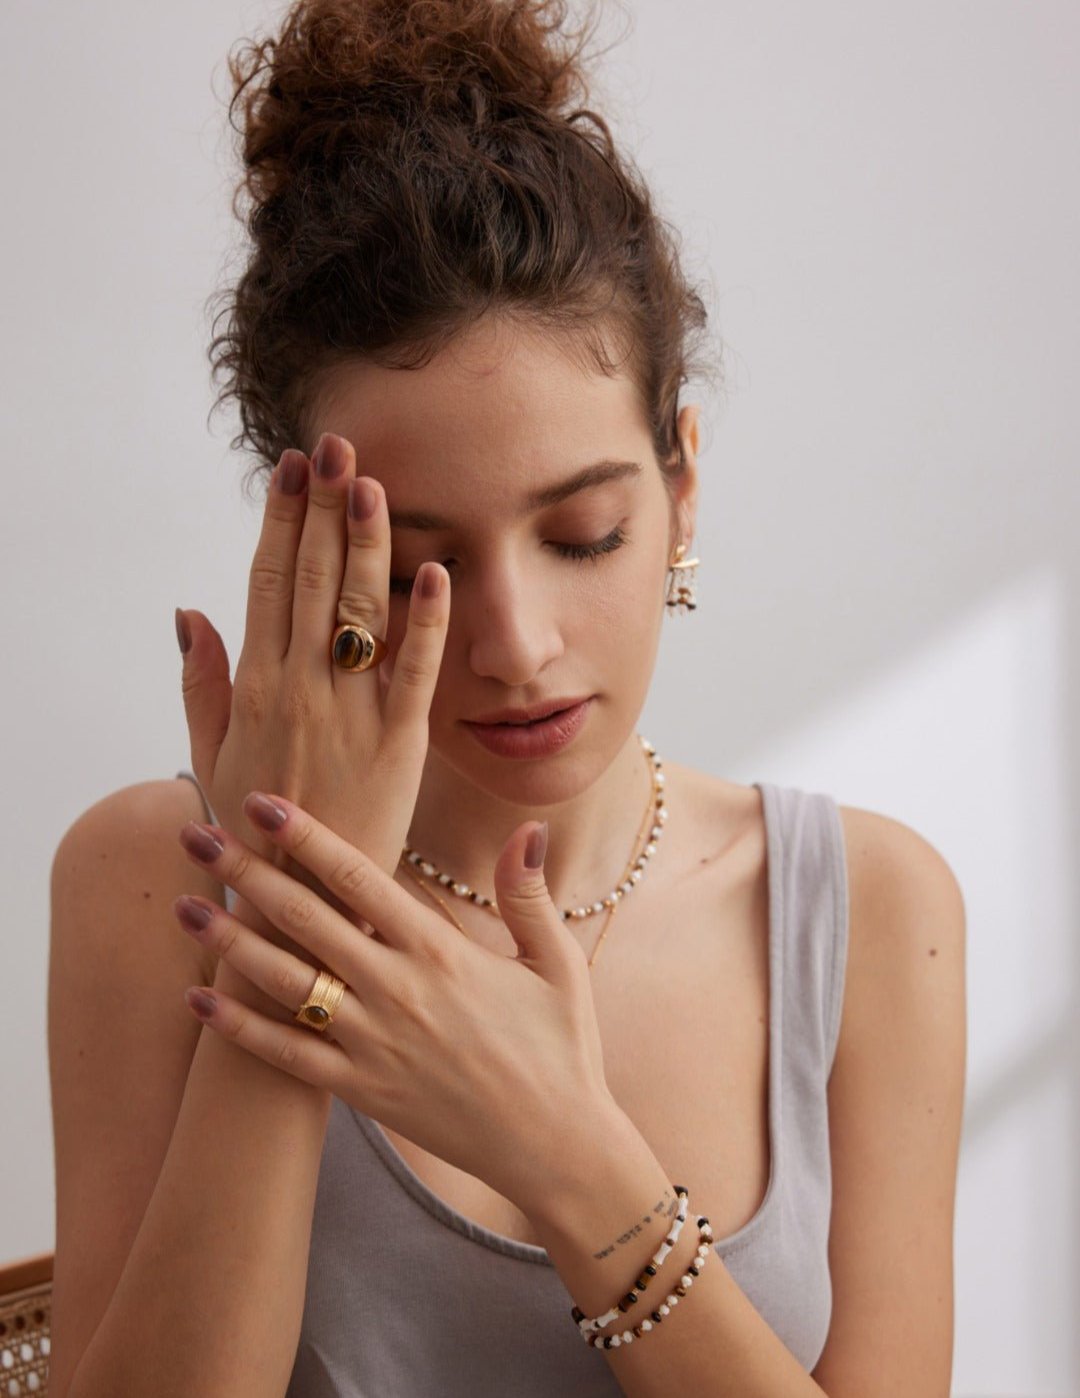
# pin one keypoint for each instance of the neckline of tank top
(404, 1174)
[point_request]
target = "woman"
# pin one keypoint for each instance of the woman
(440, 1157)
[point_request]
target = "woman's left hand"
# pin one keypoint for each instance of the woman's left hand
(491, 1062)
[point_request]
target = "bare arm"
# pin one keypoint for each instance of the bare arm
(209, 1296)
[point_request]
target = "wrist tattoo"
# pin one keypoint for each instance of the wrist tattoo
(667, 1206)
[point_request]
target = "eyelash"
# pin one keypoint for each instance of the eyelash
(592, 550)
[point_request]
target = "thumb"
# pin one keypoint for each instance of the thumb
(206, 688)
(521, 893)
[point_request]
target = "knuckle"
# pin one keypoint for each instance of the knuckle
(280, 508)
(357, 601)
(227, 939)
(301, 839)
(268, 578)
(349, 879)
(236, 1025)
(440, 956)
(240, 867)
(329, 498)
(412, 669)
(286, 1055)
(296, 913)
(530, 893)
(427, 619)
(365, 543)
(313, 572)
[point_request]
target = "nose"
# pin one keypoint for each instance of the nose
(512, 629)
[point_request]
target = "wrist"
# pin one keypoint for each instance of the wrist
(605, 1216)
(596, 1152)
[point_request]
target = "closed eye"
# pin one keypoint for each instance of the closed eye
(591, 550)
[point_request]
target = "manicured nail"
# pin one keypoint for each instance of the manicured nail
(431, 581)
(362, 499)
(536, 847)
(200, 842)
(264, 812)
(183, 632)
(193, 916)
(202, 1002)
(292, 471)
(329, 457)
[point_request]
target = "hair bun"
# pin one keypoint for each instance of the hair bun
(411, 166)
(334, 62)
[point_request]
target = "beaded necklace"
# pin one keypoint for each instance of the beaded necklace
(655, 812)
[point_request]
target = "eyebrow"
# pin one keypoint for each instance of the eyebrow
(599, 473)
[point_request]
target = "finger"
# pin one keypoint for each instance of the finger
(416, 665)
(271, 580)
(207, 691)
(303, 1053)
(303, 915)
(345, 872)
(364, 593)
(320, 558)
(283, 976)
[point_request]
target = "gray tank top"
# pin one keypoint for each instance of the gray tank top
(407, 1297)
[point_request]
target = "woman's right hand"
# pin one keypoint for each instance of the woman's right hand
(348, 747)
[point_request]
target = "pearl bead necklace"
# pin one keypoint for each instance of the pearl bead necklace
(660, 815)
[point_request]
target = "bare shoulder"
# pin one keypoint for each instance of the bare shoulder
(120, 1038)
(906, 907)
(895, 1097)
(126, 843)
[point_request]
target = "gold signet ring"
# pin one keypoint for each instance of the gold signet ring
(354, 647)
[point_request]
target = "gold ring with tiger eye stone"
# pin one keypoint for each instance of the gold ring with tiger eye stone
(322, 1004)
(354, 647)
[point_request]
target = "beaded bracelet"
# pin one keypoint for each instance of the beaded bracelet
(589, 1328)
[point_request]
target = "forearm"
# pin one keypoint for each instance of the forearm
(211, 1297)
(600, 1227)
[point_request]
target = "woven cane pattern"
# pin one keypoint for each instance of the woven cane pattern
(25, 1314)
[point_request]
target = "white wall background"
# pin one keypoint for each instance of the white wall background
(884, 202)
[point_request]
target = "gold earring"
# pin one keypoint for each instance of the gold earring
(681, 576)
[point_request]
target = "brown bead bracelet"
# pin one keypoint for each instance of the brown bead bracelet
(589, 1328)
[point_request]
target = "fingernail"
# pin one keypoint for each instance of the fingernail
(362, 499)
(536, 847)
(200, 842)
(264, 812)
(202, 1002)
(292, 471)
(329, 457)
(430, 582)
(194, 917)
(183, 632)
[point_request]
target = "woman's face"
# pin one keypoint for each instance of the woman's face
(469, 442)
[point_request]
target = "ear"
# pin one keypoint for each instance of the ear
(685, 488)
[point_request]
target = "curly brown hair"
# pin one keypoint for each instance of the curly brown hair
(413, 164)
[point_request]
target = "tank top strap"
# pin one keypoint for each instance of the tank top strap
(191, 777)
(808, 873)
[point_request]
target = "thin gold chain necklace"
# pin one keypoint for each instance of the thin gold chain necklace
(653, 823)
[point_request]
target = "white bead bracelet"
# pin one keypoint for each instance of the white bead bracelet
(589, 1328)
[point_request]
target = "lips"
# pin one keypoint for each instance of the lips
(528, 722)
(538, 739)
(531, 714)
